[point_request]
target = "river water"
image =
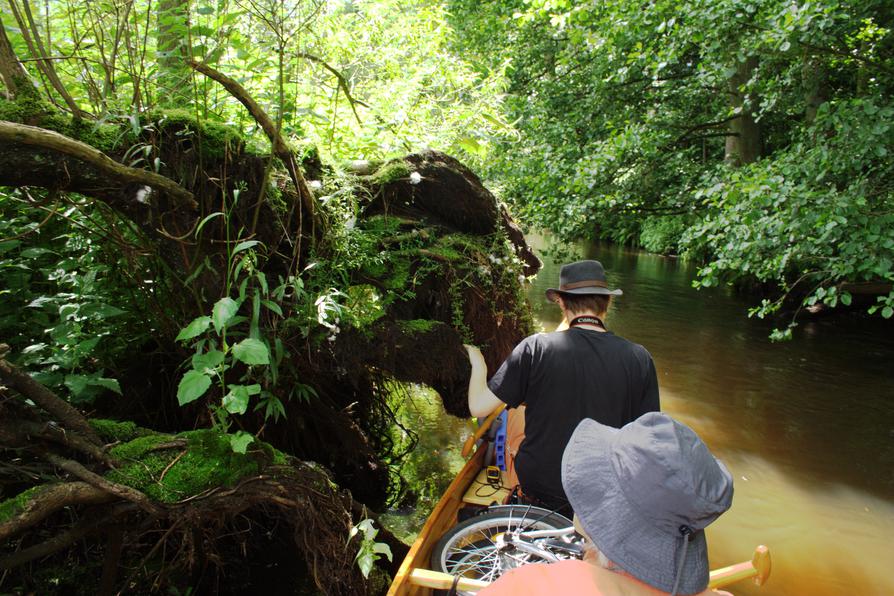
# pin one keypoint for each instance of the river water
(805, 426)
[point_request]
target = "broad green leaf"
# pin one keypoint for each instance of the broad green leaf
(207, 360)
(251, 351)
(236, 401)
(31, 253)
(77, 384)
(194, 329)
(365, 561)
(192, 386)
(887, 312)
(110, 384)
(224, 310)
(382, 549)
(240, 441)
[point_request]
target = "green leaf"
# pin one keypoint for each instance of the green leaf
(251, 351)
(846, 298)
(472, 146)
(240, 441)
(77, 384)
(194, 329)
(31, 253)
(382, 549)
(224, 310)
(245, 245)
(207, 360)
(206, 220)
(236, 401)
(192, 386)
(365, 561)
(887, 312)
(272, 306)
(110, 384)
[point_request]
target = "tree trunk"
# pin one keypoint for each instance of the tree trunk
(11, 70)
(744, 143)
(174, 76)
(815, 78)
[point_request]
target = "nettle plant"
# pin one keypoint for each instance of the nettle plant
(230, 352)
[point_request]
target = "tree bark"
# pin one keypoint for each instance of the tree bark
(816, 86)
(106, 168)
(173, 76)
(67, 415)
(11, 69)
(744, 143)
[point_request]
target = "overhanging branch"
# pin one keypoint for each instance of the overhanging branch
(22, 134)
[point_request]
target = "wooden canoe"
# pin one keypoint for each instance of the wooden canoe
(415, 578)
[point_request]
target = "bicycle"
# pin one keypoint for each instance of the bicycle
(504, 537)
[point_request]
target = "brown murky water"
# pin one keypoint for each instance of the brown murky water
(806, 426)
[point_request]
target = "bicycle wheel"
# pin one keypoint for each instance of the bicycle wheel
(469, 549)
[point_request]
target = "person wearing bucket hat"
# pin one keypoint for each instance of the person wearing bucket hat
(580, 372)
(642, 497)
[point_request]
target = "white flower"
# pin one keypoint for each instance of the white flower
(144, 192)
(415, 178)
(315, 184)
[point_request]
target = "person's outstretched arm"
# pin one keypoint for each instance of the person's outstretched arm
(482, 401)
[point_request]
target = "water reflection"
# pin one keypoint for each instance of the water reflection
(430, 467)
(806, 427)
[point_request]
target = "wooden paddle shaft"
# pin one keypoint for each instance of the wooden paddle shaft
(758, 568)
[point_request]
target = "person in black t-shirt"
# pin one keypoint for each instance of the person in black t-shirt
(583, 371)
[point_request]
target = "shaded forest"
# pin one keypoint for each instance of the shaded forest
(205, 323)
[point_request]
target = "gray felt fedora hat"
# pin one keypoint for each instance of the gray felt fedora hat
(642, 491)
(582, 277)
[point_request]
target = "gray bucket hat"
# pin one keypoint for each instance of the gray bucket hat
(582, 277)
(644, 493)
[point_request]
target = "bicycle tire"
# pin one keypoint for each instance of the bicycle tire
(467, 549)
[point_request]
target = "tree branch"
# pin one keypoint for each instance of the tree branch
(20, 433)
(11, 132)
(341, 81)
(119, 490)
(44, 503)
(280, 148)
(66, 414)
(84, 527)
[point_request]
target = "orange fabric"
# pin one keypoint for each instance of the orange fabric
(579, 578)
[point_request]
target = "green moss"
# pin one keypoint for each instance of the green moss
(208, 462)
(381, 225)
(391, 171)
(29, 108)
(399, 277)
(114, 430)
(13, 506)
(415, 326)
(215, 139)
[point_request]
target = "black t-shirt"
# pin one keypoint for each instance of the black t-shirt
(564, 377)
